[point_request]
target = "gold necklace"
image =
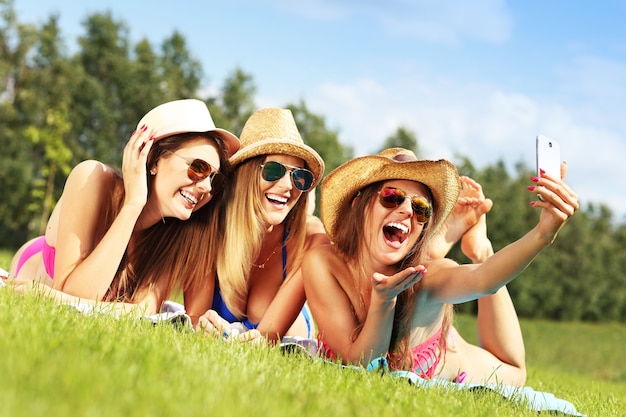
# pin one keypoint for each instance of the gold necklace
(268, 258)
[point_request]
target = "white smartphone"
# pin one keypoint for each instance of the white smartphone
(548, 156)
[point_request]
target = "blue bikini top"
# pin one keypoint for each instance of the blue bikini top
(220, 306)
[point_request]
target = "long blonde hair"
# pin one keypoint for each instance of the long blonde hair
(350, 244)
(182, 250)
(244, 231)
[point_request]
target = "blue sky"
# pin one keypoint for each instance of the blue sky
(479, 78)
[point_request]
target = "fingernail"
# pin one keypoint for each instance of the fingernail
(151, 137)
(144, 128)
(534, 179)
(542, 171)
(531, 188)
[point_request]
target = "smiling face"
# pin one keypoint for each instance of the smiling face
(279, 197)
(392, 232)
(177, 195)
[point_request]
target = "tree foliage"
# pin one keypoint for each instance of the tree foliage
(402, 138)
(57, 109)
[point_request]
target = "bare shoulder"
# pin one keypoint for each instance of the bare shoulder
(314, 226)
(90, 167)
(321, 252)
(319, 258)
(315, 233)
(90, 173)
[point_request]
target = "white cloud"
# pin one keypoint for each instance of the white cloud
(480, 121)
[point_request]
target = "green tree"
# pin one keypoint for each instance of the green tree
(104, 55)
(235, 104)
(402, 138)
(181, 73)
(17, 165)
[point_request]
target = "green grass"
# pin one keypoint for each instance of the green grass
(57, 362)
(5, 258)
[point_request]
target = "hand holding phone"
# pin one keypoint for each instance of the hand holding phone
(548, 156)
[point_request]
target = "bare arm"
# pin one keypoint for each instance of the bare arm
(199, 300)
(84, 267)
(450, 283)
(284, 308)
(288, 302)
(28, 286)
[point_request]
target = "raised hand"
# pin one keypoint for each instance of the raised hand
(557, 202)
(134, 167)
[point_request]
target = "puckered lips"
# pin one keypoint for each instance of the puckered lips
(395, 233)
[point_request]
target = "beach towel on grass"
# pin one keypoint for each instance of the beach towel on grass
(534, 400)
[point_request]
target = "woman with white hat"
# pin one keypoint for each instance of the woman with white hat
(375, 292)
(128, 237)
(267, 231)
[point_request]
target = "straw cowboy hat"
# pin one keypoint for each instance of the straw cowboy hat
(273, 131)
(342, 184)
(186, 116)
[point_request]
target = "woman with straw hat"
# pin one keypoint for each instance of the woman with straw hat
(375, 292)
(128, 237)
(266, 232)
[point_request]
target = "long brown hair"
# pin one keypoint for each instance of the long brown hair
(349, 242)
(182, 250)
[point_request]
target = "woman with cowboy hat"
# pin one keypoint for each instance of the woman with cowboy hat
(128, 237)
(376, 292)
(266, 232)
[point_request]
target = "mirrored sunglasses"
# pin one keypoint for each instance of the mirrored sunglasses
(391, 198)
(199, 169)
(301, 178)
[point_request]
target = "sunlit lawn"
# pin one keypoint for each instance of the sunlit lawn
(57, 362)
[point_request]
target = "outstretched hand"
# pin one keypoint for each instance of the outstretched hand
(134, 167)
(389, 287)
(557, 202)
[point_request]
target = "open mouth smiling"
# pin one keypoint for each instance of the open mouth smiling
(276, 199)
(189, 197)
(395, 234)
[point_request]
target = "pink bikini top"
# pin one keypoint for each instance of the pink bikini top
(426, 357)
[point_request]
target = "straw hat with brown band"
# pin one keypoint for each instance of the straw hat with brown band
(272, 131)
(342, 184)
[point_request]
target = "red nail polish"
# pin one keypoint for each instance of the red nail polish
(144, 128)
(532, 203)
(531, 188)
(534, 179)
(151, 137)
(542, 171)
